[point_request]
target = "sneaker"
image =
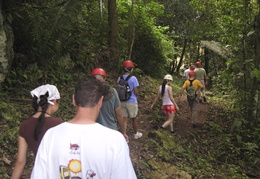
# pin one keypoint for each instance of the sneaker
(138, 135)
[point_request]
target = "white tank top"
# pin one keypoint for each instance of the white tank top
(166, 99)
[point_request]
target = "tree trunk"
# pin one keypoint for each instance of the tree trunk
(113, 31)
(206, 58)
(175, 59)
(6, 44)
(182, 55)
(132, 35)
(254, 97)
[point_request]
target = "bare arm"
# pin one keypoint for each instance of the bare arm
(156, 97)
(206, 79)
(121, 122)
(136, 91)
(181, 92)
(171, 97)
(21, 158)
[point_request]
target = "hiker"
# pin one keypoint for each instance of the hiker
(110, 112)
(46, 100)
(186, 72)
(82, 148)
(169, 105)
(192, 86)
(130, 106)
(202, 77)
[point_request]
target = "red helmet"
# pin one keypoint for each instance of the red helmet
(128, 63)
(192, 73)
(198, 64)
(99, 71)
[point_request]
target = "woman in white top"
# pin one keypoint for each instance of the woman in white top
(169, 105)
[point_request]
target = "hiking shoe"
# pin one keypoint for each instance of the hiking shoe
(204, 98)
(138, 135)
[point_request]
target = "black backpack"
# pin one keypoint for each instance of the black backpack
(123, 88)
(191, 91)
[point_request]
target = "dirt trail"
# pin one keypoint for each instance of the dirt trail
(182, 124)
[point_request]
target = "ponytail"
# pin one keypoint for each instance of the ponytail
(163, 87)
(43, 103)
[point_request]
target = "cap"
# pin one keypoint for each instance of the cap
(99, 71)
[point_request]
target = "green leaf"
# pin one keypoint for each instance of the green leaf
(257, 73)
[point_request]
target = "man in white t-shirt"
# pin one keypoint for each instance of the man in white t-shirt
(185, 73)
(82, 148)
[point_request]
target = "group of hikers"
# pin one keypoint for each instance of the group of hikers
(90, 145)
(194, 81)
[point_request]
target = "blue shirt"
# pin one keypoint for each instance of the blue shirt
(133, 83)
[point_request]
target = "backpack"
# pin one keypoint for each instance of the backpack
(123, 88)
(191, 91)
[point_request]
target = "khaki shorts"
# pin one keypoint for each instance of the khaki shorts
(129, 110)
(203, 83)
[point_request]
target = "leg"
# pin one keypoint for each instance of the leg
(171, 127)
(124, 113)
(125, 122)
(169, 121)
(133, 111)
(135, 124)
(204, 90)
(194, 112)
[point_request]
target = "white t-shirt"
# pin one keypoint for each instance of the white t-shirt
(186, 72)
(89, 151)
(166, 99)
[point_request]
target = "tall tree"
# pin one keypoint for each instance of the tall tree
(113, 31)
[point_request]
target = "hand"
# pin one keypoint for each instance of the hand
(126, 137)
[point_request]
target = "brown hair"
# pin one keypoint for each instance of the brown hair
(88, 92)
(163, 87)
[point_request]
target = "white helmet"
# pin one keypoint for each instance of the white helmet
(168, 77)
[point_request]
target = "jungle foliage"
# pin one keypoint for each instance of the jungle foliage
(55, 39)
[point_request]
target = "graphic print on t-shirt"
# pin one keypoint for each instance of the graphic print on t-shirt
(73, 168)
